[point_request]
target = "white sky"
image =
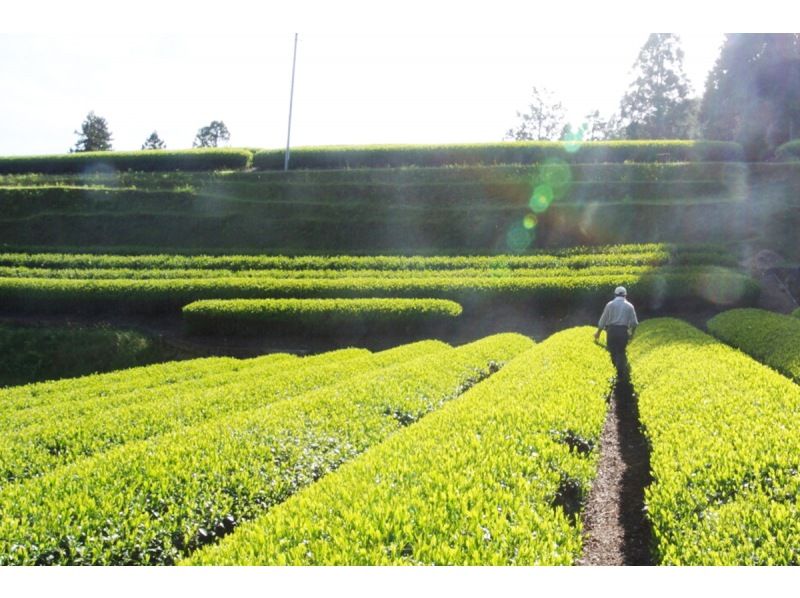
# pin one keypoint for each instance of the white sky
(354, 84)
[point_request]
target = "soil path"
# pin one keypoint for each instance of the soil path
(616, 531)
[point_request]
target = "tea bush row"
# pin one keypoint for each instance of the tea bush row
(495, 477)
(155, 501)
(55, 439)
(725, 450)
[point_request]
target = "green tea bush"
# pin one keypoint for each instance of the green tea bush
(789, 150)
(44, 439)
(771, 338)
(688, 286)
(575, 257)
(146, 160)
(322, 317)
(725, 450)
(493, 478)
(521, 152)
(155, 501)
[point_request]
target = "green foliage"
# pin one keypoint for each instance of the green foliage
(752, 94)
(39, 440)
(725, 450)
(153, 161)
(657, 104)
(94, 135)
(796, 313)
(489, 479)
(520, 152)
(789, 151)
(211, 135)
(649, 254)
(154, 142)
(155, 501)
(402, 210)
(773, 339)
(698, 286)
(320, 317)
(544, 119)
(34, 353)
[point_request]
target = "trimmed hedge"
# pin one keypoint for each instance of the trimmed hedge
(155, 501)
(725, 450)
(687, 286)
(323, 317)
(773, 339)
(372, 156)
(789, 150)
(482, 481)
(54, 436)
(146, 160)
(651, 254)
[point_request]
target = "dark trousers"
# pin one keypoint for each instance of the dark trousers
(617, 340)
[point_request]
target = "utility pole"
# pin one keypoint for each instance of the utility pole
(291, 98)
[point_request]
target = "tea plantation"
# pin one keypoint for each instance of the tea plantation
(447, 445)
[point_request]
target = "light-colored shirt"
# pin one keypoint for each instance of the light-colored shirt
(618, 312)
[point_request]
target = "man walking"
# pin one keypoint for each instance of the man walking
(619, 321)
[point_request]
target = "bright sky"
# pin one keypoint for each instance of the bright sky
(438, 84)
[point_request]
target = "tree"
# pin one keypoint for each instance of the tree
(752, 95)
(94, 135)
(544, 120)
(154, 142)
(211, 135)
(657, 103)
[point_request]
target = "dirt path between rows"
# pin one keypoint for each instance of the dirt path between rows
(616, 531)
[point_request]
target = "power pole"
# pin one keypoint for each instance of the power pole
(291, 98)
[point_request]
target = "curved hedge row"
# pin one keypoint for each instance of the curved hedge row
(771, 338)
(479, 482)
(511, 152)
(700, 286)
(321, 316)
(146, 160)
(725, 449)
(155, 501)
(61, 436)
(654, 254)
(789, 150)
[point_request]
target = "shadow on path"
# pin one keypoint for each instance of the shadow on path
(616, 530)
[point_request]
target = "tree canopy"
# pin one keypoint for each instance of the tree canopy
(657, 104)
(211, 135)
(752, 94)
(94, 135)
(544, 120)
(154, 142)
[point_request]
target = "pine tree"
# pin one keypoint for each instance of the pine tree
(154, 142)
(94, 135)
(657, 103)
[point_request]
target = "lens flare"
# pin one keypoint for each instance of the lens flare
(529, 222)
(574, 139)
(518, 238)
(719, 287)
(557, 174)
(541, 199)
